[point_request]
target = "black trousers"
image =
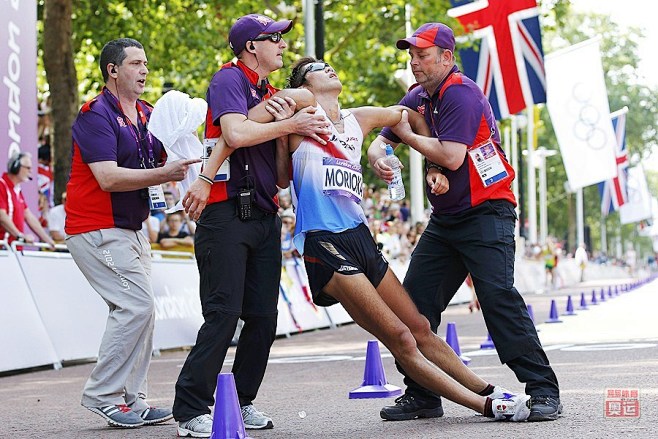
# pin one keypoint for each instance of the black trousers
(481, 242)
(239, 271)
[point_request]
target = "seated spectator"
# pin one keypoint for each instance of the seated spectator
(56, 218)
(151, 228)
(287, 232)
(175, 237)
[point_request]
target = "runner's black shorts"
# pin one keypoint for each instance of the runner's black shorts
(349, 252)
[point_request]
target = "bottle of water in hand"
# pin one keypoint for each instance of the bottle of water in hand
(396, 186)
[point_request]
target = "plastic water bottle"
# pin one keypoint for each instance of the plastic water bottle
(396, 186)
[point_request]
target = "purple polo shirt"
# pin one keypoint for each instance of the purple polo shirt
(233, 89)
(458, 111)
(101, 132)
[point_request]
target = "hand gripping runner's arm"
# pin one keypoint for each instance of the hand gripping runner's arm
(280, 108)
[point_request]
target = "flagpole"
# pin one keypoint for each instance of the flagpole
(580, 228)
(308, 8)
(532, 180)
(604, 237)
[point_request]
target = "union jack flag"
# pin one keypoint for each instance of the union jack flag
(508, 65)
(614, 192)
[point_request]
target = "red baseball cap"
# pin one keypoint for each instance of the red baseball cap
(248, 27)
(428, 35)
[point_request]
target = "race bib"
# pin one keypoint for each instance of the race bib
(156, 198)
(488, 163)
(224, 171)
(342, 178)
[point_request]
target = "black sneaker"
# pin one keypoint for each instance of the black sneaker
(544, 408)
(407, 407)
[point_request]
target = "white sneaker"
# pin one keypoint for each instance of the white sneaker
(201, 426)
(255, 420)
(515, 409)
(501, 393)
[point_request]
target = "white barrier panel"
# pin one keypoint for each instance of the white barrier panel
(178, 314)
(24, 340)
(73, 313)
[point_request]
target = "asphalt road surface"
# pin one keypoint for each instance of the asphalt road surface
(602, 357)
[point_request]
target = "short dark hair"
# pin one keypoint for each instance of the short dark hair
(296, 78)
(114, 52)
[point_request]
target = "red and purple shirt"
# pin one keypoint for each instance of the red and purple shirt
(102, 132)
(12, 202)
(234, 89)
(458, 111)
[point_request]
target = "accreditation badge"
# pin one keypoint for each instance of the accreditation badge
(488, 163)
(342, 178)
(224, 171)
(156, 198)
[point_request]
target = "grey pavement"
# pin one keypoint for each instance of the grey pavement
(611, 346)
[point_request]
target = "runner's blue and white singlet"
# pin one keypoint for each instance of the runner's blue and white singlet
(327, 181)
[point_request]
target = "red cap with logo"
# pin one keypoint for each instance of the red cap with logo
(428, 35)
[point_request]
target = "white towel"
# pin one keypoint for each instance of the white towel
(174, 121)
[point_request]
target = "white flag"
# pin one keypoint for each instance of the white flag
(638, 207)
(577, 102)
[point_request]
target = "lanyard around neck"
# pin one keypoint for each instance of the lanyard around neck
(144, 142)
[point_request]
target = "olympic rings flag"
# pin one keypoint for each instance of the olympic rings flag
(577, 101)
(638, 206)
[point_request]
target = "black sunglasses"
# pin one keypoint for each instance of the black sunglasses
(314, 67)
(275, 37)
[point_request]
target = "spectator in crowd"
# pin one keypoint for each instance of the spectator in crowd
(287, 232)
(44, 173)
(56, 221)
(116, 172)
(580, 256)
(151, 228)
(14, 212)
(404, 210)
(175, 236)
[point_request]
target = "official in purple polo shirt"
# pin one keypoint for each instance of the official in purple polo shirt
(471, 229)
(238, 237)
(116, 164)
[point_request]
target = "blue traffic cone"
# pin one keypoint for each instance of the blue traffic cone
(610, 295)
(570, 311)
(554, 317)
(594, 300)
(227, 420)
(531, 313)
(453, 342)
(602, 295)
(488, 343)
(616, 290)
(583, 302)
(374, 378)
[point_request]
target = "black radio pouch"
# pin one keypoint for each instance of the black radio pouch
(245, 201)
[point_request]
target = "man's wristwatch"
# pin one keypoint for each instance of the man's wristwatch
(431, 165)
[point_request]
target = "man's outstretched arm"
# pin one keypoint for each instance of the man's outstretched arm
(280, 106)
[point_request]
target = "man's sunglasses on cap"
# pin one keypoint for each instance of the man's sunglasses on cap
(275, 37)
(314, 67)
